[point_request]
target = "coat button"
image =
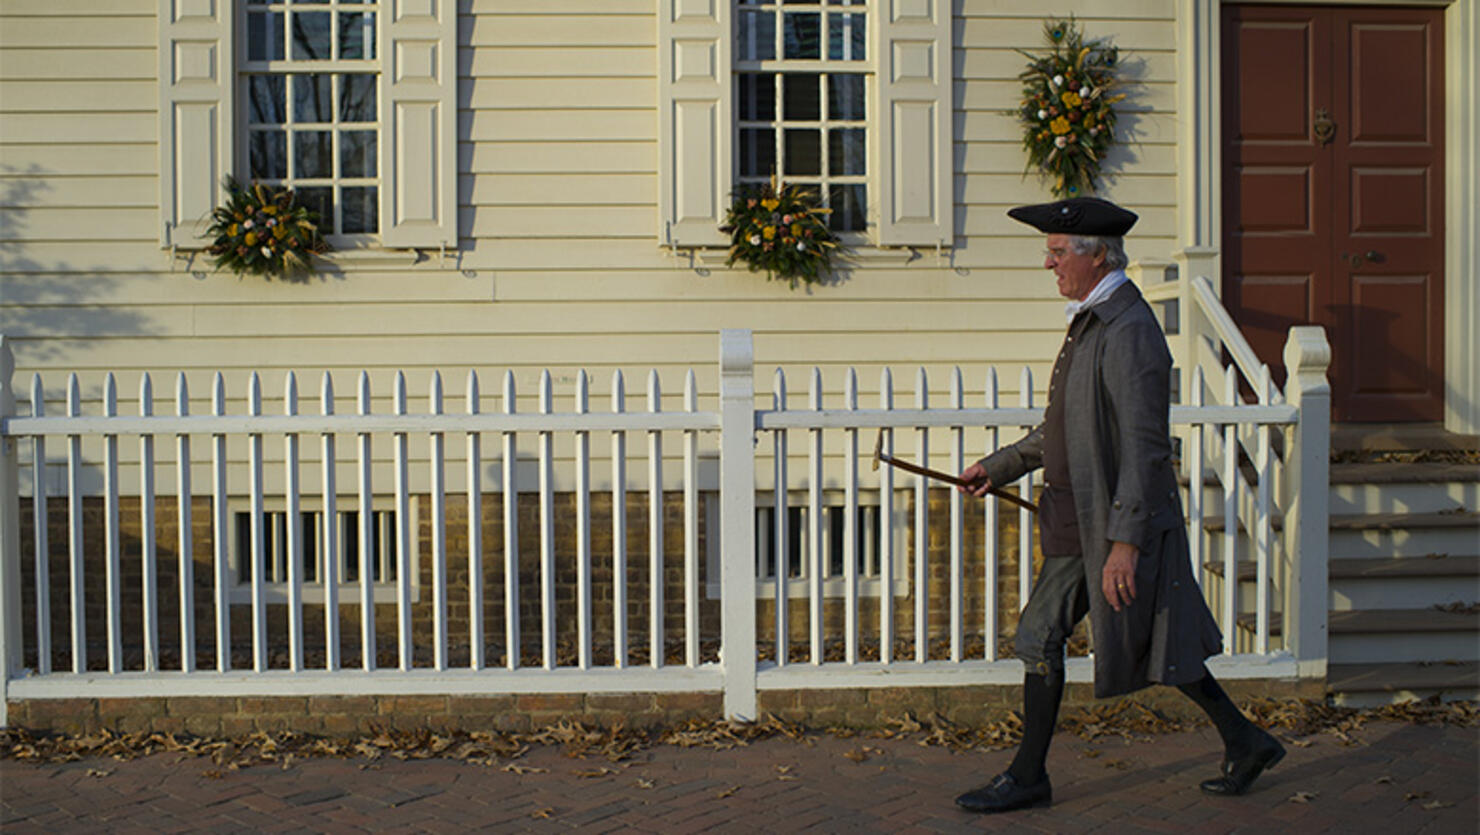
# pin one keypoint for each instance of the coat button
(1117, 505)
(1176, 584)
(1171, 668)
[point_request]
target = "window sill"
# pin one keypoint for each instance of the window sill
(192, 258)
(867, 256)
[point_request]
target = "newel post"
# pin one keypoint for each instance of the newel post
(1307, 498)
(737, 522)
(10, 537)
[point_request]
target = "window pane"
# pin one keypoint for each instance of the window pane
(802, 97)
(357, 98)
(849, 208)
(845, 37)
(313, 154)
(757, 152)
(357, 153)
(269, 155)
(360, 208)
(757, 96)
(267, 101)
(803, 35)
(803, 151)
(311, 36)
(755, 36)
(265, 36)
(845, 97)
(320, 201)
(313, 98)
(845, 149)
(357, 35)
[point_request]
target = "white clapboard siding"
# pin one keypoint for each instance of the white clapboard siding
(557, 163)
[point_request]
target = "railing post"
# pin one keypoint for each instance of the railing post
(737, 522)
(10, 539)
(1307, 498)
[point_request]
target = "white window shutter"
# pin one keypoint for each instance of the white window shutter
(913, 123)
(418, 123)
(694, 126)
(195, 114)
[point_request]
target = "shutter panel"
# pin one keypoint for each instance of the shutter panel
(694, 125)
(195, 114)
(913, 123)
(418, 123)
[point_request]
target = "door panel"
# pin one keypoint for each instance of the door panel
(1333, 195)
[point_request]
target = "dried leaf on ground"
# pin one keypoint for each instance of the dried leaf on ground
(728, 792)
(595, 773)
(1415, 795)
(516, 768)
(1383, 779)
(98, 772)
(543, 814)
(857, 755)
(1303, 797)
(644, 784)
(1437, 804)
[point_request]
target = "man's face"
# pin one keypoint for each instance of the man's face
(1077, 274)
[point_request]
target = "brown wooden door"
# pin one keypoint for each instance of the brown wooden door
(1333, 187)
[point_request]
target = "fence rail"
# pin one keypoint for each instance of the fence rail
(794, 566)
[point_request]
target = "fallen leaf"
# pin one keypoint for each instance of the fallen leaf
(1415, 795)
(1303, 797)
(1120, 764)
(98, 772)
(644, 784)
(544, 813)
(600, 772)
(784, 769)
(516, 768)
(1301, 743)
(728, 792)
(1383, 779)
(1437, 804)
(857, 755)
(1090, 754)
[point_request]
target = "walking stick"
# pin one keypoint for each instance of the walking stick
(940, 476)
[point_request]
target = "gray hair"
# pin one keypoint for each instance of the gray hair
(1114, 246)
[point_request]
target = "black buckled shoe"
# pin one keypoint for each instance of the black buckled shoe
(1004, 794)
(1239, 773)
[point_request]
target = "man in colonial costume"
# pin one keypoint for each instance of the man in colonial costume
(1110, 518)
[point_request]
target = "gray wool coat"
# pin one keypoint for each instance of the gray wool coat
(1116, 420)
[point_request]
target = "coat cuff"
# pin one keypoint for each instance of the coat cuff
(1129, 522)
(1004, 466)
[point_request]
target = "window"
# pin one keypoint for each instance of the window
(802, 81)
(352, 104)
(851, 97)
(310, 80)
(382, 556)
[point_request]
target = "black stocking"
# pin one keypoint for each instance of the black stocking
(1041, 696)
(1232, 725)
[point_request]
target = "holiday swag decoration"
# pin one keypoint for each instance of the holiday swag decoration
(1066, 111)
(780, 229)
(263, 231)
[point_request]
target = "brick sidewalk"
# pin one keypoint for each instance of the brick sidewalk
(1399, 779)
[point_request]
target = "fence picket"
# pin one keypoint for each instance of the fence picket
(112, 555)
(1197, 434)
(922, 527)
(547, 529)
(815, 561)
(366, 538)
(886, 527)
(619, 527)
(655, 527)
(185, 547)
(293, 519)
(41, 550)
(850, 525)
(1262, 522)
(438, 452)
(475, 531)
(990, 536)
(512, 640)
(1230, 516)
(329, 552)
(401, 452)
(780, 522)
(691, 527)
(220, 571)
(257, 557)
(583, 527)
(958, 568)
(149, 592)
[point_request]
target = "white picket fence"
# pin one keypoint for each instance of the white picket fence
(758, 449)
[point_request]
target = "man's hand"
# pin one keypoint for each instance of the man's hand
(977, 478)
(1118, 580)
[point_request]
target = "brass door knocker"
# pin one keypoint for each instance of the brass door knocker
(1325, 128)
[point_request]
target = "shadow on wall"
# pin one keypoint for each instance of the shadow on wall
(46, 309)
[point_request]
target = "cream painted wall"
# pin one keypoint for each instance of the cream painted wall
(558, 265)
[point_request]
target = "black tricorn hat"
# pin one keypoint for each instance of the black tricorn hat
(1076, 216)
